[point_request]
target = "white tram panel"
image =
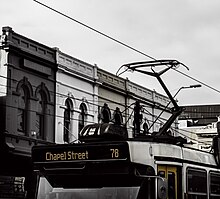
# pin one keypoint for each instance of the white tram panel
(167, 151)
(140, 152)
(145, 152)
(192, 155)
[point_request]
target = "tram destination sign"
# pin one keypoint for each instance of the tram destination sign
(80, 152)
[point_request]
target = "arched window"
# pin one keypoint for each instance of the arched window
(118, 119)
(145, 127)
(41, 114)
(82, 116)
(67, 120)
(24, 92)
(43, 98)
(22, 113)
(105, 114)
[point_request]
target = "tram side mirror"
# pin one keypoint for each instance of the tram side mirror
(162, 188)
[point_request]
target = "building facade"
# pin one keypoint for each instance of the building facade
(200, 115)
(86, 94)
(27, 103)
(77, 97)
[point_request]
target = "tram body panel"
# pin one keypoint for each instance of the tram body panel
(150, 152)
(197, 156)
(141, 152)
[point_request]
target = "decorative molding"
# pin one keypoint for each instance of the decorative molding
(28, 45)
(73, 65)
(37, 67)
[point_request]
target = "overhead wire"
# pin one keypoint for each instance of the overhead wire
(62, 95)
(89, 101)
(204, 84)
(95, 30)
(122, 43)
(90, 122)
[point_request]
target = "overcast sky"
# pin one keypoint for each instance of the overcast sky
(185, 30)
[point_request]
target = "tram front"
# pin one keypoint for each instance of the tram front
(92, 170)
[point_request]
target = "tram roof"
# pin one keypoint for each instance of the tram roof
(147, 151)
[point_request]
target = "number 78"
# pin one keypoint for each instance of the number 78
(115, 153)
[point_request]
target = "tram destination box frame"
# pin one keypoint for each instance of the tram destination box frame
(81, 152)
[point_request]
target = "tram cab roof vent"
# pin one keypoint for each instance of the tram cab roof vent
(102, 132)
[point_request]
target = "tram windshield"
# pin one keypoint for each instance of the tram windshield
(46, 191)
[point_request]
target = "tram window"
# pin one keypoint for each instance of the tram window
(46, 191)
(214, 185)
(91, 131)
(196, 183)
(171, 185)
(44, 188)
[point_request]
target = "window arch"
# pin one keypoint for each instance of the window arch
(146, 126)
(22, 112)
(40, 115)
(67, 120)
(43, 97)
(24, 92)
(82, 116)
(105, 114)
(117, 115)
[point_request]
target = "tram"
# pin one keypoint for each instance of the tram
(134, 168)
(106, 163)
